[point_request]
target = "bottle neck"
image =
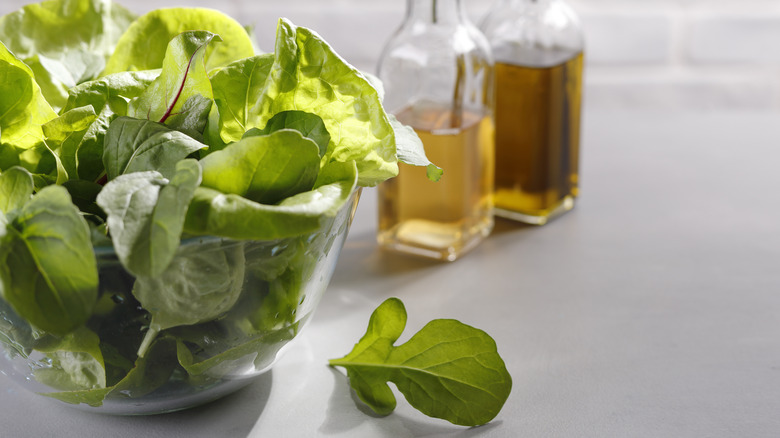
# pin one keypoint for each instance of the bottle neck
(435, 11)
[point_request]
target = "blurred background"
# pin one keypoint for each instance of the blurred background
(703, 55)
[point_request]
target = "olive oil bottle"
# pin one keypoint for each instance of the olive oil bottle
(538, 46)
(438, 76)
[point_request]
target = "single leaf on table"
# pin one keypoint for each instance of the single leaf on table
(47, 266)
(307, 75)
(447, 370)
(134, 145)
(215, 213)
(236, 90)
(309, 125)
(203, 282)
(183, 76)
(16, 188)
(264, 169)
(143, 46)
(410, 149)
(146, 213)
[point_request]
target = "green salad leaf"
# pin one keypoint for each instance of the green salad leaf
(47, 267)
(146, 214)
(447, 370)
(65, 42)
(309, 125)
(237, 87)
(76, 361)
(183, 76)
(264, 169)
(134, 145)
(143, 46)
(16, 188)
(202, 283)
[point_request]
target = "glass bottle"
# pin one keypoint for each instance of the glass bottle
(437, 72)
(538, 47)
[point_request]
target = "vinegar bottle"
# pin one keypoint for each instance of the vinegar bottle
(538, 47)
(437, 72)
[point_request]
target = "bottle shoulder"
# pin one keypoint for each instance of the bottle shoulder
(537, 34)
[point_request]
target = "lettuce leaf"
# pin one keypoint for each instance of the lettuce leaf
(144, 44)
(66, 42)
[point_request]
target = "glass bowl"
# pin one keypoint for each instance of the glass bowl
(280, 281)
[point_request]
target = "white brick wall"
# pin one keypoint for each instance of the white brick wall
(658, 54)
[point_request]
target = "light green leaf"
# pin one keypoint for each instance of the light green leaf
(47, 267)
(410, 149)
(133, 145)
(447, 370)
(236, 91)
(214, 213)
(76, 362)
(66, 42)
(143, 46)
(16, 189)
(183, 76)
(202, 283)
(23, 108)
(147, 374)
(146, 213)
(65, 134)
(193, 117)
(307, 75)
(309, 125)
(264, 169)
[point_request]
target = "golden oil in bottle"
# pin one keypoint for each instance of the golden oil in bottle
(441, 219)
(537, 139)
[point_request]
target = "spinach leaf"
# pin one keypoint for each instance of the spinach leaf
(16, 188)
(109, 97)
(133, 145)
(308, 124)
(215, 213)
(202, 283)
(65, 42)
(264, 169)
(143, 45)
(146, 214)
(193, 117)
(183, 76)
(147, 374)
(76, 361)
(47, 267)
(236, 90)
(447, 370)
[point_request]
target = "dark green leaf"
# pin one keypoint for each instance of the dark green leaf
(202, 282)
(447, 370)
(133, 145)
(146, 214)
(193, 117)
(264, 169)
(47, 267)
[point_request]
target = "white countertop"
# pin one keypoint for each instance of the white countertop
(650, 310)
